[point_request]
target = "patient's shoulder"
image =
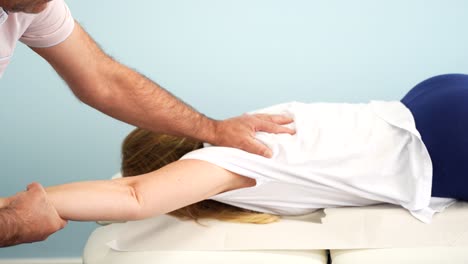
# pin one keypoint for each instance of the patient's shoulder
(213, 172)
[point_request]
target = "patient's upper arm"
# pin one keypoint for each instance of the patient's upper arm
(179, 184)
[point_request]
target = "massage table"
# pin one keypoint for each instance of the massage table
(375, 234)
(372, 234)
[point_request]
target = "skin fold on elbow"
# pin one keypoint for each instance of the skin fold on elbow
(140, 209)
(137, 212)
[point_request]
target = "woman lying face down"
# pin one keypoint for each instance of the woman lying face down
(341, 155)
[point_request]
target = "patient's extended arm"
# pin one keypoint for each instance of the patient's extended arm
(174, 186)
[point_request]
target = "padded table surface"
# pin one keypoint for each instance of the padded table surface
(344, 231)
(97, 252)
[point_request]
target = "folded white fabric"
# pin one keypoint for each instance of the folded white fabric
(379, 226)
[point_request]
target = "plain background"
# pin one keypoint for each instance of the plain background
(224, 58)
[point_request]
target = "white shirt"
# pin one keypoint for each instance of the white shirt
(48, 28)
(341, 155)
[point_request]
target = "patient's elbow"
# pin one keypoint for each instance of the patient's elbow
(134, 210)
(139, 209)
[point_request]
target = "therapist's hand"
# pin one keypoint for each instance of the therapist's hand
(239, 132)
(28, 217)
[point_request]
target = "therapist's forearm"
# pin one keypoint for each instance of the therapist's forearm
(103, 83)
(109, 86)
(133, 98)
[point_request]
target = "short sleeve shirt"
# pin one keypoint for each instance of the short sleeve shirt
(341, 155)
(45, 29)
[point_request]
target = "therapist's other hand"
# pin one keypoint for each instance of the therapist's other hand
(36, 218)
(239, 132)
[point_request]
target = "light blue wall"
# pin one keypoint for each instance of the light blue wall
(223, 57)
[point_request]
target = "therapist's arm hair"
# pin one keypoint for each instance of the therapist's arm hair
(103, 83)
(27, 217)
(9, 226)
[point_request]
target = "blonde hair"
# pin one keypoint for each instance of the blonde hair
(144, 151)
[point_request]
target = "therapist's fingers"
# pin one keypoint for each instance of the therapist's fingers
(273, 124)
(239, 132)
(277, 119)
(37, 212)
(35, 217)
(257, 147)
(44, 207)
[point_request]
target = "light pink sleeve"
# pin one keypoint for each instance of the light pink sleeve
(50, 27)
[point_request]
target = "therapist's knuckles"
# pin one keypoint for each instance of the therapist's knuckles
(278, 119)
(273, 124)
(239, 132)
(39, 217)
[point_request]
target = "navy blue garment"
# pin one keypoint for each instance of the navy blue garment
(440, 109)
